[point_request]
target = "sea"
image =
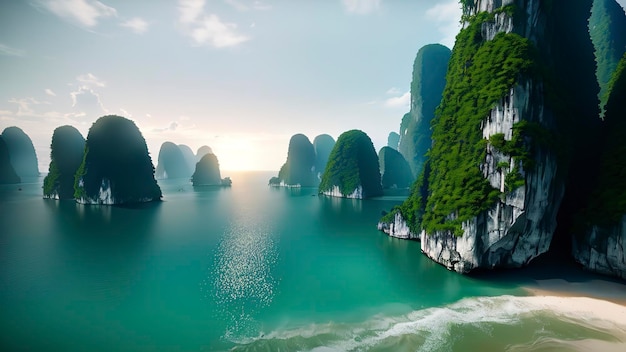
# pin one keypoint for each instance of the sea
(257, 268)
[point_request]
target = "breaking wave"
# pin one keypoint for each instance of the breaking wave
(507, 323)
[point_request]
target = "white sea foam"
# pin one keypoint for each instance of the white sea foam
(431, 329)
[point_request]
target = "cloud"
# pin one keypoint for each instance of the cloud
(393, 91)
(87, 101)
(248, 5)
(402, 101)
(126, 113)
(136, 24)
(207, 29)
(361, 7)
(50, 92)
(190, 10)
(83, 12)
(172, 127)
(9, 51)
(24, 105)
(90, 79)
(447, 17)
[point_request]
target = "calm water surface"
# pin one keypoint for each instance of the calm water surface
(245, 268)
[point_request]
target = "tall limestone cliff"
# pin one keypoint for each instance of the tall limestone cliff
(66, 155)
(394, 169)
(207, 172)
(599, 241)
(352, 170)
(298, 169)
(172, 162)
(323, 146)
(429, 79)
(512, 117)
(7, 173)
(202, 151)
(607, 26)
(116, 166)
(190, 157)
(21, 152)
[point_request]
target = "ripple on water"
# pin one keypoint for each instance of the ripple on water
(242, 279)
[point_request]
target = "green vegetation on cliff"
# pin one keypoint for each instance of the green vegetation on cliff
(394, 169)
(428, 82)
(352, 163)
(66, 155)
(452, 188)
(298, 169)
(607, 27)
(116, 155)
(607, 204)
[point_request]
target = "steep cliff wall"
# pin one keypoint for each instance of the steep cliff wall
(599, 241)
(504, 134)
(427, 84)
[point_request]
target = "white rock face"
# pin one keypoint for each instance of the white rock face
(603, 249)
(336, 192)
(398, 228)
(105, 196)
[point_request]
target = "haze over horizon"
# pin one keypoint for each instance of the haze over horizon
(241, 76)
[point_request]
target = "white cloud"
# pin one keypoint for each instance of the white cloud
(84, 12)
(87, 101)
(402, 101)
(172, 127)
(125, 113)
(207, 29)
(211, 30)
(190, 10)
(24, 105)
(240, 5)
(9, 51)
(361, 7)
(50, 92)
(393, 91)
(447, 17)
(90, 79)
(136, 24)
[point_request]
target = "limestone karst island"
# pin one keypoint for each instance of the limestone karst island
(341, 175)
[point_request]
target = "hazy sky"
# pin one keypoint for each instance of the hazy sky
(241, 76)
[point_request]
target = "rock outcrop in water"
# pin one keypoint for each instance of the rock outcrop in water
(190, 157)
(607, 26)
(202, 151)
(21, 152)
(323, 146)
(599, 242)
(7, 173)
(352, 170)
(66, 155)
(207, 172)
(429, 79)
(504, 141)
(172, 162)
(300, 165)
(116, 168)
(394, 169)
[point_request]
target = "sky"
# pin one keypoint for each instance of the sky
(241, 76)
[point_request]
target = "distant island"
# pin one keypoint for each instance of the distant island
(116, 167)
(352, 170)
(66, 155)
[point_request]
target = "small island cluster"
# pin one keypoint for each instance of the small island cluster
(112, 166)
(349, 168)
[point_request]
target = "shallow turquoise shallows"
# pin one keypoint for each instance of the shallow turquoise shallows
(245, 268)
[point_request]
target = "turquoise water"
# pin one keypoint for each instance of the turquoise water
(245, 268)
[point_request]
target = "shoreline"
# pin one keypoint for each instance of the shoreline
(598, 289)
